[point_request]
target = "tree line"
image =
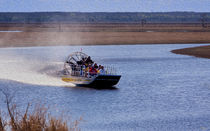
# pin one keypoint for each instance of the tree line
(104, 17)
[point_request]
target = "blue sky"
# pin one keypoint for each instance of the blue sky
(104, 5)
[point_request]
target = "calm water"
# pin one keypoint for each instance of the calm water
(158, 90)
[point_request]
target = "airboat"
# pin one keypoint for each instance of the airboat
(75, 71)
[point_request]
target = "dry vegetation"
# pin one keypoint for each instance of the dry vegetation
(36, 120)
(102, 34)
(54, 34)
(105, 27)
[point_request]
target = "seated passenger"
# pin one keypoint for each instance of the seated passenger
(88, 60)
(87, 70)
(102, 71)
(83, 61)
(95, 66)
(93, 71)
(98, 70)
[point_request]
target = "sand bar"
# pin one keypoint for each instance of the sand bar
(201, 51)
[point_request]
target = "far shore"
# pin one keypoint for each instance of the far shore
(27, 35)
(20, 39)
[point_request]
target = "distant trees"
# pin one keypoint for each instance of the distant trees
(204, 20)
(135, 17)
(143, 22)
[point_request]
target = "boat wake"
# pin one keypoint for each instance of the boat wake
(36, 72)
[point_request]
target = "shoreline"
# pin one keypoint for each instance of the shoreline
(77, 34)
(200, 51)
(55, 34)
(28, 39)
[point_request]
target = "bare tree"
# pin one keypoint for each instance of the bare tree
(3, 122)
(204, 20)
(143, 22)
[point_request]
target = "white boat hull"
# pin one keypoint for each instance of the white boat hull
(97, 81)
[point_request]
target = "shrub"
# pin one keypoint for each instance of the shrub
(37, 120)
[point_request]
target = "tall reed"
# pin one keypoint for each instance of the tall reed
(38, 119)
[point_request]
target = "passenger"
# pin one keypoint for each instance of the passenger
(93, 71)
(82, 71)
(99, 67)
(98, 70)
(88, 60)
(102, 71)
(95, 66)
(87, 70)
(83, 61)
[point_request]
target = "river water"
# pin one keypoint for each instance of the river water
(158, 90)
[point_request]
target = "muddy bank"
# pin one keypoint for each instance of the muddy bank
(202, 51)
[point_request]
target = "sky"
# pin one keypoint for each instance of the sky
(104, 5)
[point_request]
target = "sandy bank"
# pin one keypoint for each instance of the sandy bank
(100, 34)
(10, 39)
(202, 51)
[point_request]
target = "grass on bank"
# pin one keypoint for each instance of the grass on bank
(39, 119)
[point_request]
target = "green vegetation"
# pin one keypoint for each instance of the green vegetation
(78, 17)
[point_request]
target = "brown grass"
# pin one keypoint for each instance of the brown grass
(3, 122)
(37, 120)
(99, 38)
(101, 34)
(202, 51)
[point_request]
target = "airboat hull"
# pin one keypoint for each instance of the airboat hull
(97, 82)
